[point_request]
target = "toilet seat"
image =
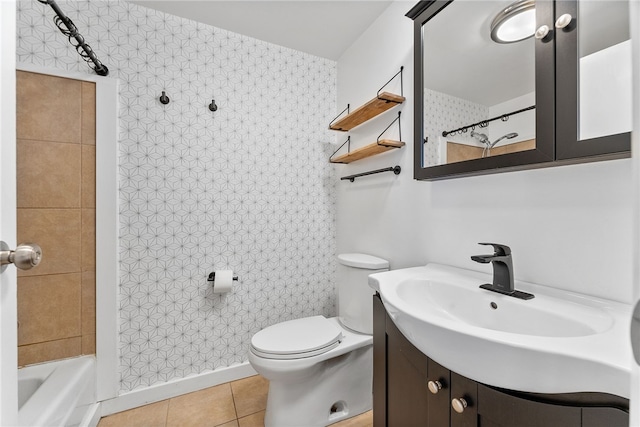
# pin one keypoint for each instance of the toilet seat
(296, 339)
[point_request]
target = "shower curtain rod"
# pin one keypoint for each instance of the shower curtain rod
(71, 31)
(485, 123)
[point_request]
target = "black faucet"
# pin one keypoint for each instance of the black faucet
(502, 271)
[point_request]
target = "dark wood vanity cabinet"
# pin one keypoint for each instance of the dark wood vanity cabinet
(409, 389)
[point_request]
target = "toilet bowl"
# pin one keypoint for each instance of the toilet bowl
(320, 369)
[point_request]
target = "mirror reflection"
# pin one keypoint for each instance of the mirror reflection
(604, 52)
(479, 93)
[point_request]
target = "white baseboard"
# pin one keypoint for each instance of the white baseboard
(158, 392)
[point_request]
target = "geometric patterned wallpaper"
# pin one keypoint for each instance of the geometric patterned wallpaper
(248, 187)
(443, 112)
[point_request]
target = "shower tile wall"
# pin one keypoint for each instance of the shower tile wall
(248, 187)
(56, 209)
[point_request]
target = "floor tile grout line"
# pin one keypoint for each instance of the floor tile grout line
(166, 416)
(233, 399)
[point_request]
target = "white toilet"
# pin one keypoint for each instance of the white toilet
(321, 370)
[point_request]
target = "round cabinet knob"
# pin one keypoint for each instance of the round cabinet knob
(25, 257)
(434, 386)
(564, 21)
(542, 32)
(459, 404)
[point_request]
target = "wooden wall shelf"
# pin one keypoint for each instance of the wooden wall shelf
(371, 109)
(368, 150)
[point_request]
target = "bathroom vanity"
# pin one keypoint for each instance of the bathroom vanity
(410, 389)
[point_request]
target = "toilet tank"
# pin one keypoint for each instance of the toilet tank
(355, 302)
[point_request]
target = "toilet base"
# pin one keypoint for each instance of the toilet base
(341, 388)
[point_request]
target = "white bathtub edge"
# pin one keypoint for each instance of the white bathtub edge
(91, 417)
(66, 383)
(158, 392)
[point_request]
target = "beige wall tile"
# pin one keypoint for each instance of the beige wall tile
(48, 174)
(57, 231)
(48, 108)
(88, 176)
(88, 343)
(254, 420)
(209, 407)
(233, 423)
(88, 302)
(88, 113)
(48, 308)
(250, 395)
(47, 351)
(153, 415)
(88, 239)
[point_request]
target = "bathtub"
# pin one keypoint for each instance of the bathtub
(57, 393)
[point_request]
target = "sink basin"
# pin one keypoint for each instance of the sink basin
(479, 308)
(558, 342)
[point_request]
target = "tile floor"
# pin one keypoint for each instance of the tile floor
(236, 404)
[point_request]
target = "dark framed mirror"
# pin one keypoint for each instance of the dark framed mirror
(487, 100)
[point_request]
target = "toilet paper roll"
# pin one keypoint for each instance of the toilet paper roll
(223, 281)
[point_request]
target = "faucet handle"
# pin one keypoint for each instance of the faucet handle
(499, 249)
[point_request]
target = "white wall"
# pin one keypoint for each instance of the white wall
(569, 227)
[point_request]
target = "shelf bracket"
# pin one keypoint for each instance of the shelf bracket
(348, 142)
(338, 116)
(397, 119)
(390, 80)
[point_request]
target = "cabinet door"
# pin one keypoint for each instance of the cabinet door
(464, 389)
(593, 79)
(498, 409)
(610, 417)
(406, 381)
(379, 364)
(439, 384)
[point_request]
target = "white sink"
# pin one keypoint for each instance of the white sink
(558, 342)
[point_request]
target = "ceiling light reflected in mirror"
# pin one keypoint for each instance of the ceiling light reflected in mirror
(514, 23)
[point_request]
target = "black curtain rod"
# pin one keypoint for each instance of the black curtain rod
(68, 28)
(395, 169)
(485, 123)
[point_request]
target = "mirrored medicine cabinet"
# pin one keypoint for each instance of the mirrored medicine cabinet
(554, 89)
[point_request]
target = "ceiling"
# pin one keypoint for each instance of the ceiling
(322, 28)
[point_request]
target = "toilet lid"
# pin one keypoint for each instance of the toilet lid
(297, 338)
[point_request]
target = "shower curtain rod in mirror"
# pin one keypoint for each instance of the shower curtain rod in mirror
(485, 123)
(68, 28)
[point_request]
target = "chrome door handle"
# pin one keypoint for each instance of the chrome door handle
(25, 256)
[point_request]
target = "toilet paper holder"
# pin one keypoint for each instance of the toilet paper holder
(212, 277)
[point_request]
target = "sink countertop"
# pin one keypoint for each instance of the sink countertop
(558, 342)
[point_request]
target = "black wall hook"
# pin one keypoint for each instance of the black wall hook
(164, 99)
(213, 106)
